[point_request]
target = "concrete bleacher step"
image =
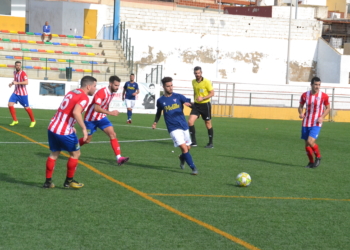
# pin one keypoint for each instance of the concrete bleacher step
(61, 75)
(94, 42)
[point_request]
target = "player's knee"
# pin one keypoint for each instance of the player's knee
(112, 135)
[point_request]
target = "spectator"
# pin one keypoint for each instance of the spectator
(46, 32)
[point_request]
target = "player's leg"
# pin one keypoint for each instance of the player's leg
(13, 99)
(191, 120)
(70, 143)
(91, 128)
(313, 135)
(206, 116)
(107, 127)
(50, 37)
(23, 100)
(182, 139)
(55, 148)
(305, 131)
(42, 37)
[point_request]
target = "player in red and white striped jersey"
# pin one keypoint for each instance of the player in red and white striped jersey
(95, 117)
(20, 95)
(317, 108)
(62, 134)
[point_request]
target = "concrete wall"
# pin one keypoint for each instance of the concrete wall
(315, 2)
(18, 8)
(284, 12)
(238, 48)
(328, 63)
(65, 17)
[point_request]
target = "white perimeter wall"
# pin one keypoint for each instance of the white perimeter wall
(250, 49)
(328, 63)
(65, 17)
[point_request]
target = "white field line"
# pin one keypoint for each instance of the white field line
(114, 125)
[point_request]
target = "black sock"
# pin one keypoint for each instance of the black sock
(48, 179)
(211, 135)
(193, 134)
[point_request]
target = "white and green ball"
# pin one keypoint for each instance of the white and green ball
(243, 179)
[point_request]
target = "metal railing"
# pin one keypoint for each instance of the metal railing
(156, 75)
(128, 50)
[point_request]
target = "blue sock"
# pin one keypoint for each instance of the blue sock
(188, 158)
(129, 114)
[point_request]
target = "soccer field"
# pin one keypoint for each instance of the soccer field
(150, 203)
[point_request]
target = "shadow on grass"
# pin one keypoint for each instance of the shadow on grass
(7, 178)
(260, 160)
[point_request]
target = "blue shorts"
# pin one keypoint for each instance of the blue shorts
(310, 131)
(22, 99)
(93, 125)
(67, 143)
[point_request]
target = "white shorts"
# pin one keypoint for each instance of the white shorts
(180, 137)
(130, 103)
(46, 34)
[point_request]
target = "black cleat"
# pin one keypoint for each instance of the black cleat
(209, 145)
(317, 162)
(310, 165)
(194, 144)
(48, 184)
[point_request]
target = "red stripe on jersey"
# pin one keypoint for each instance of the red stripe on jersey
(103, 97)
(63, 121)
(314, 107)
(20, 76)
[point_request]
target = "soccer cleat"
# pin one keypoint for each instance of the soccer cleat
(122, 160)
(130, 121)
(32, 124)
(317, 162)
(310, 165)
(182, 162)
(194, 171)
(72, 184)
(48, 184)
(14, 123)
(209, 145)
(193, 144)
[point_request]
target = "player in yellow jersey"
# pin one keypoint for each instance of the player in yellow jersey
(202, 91)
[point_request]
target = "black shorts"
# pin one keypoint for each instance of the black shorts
(202, 109)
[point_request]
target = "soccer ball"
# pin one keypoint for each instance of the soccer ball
(243, 179)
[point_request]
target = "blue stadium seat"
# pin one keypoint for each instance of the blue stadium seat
(92, 62)
(78, 37)
(75, 53)
(33, 50)
(36, 33)
(56, 43)
(73, 69)
(28, 67)
(52, 60)
(9, 57)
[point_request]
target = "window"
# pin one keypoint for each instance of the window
(51, 88)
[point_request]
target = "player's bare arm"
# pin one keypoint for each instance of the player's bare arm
(79, 118)
(300, 110)
(103, 111)
(211, 94)
(123, 95)
(325, 113)
(136, 93)
(187, 104)
(22, 83)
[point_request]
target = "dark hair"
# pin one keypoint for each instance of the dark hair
(151, 85)
(17, 62)
(315, 79)
(166, 79)
(114, 78)
(87, 80)
(132, 74)
(197, 68)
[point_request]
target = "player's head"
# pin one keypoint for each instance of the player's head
(132, 77)
(46, 23)
(114, 82)
(18, 65)
(197, 72)
(151, 88)
(89, 84)
(315, 84)
(168, 85)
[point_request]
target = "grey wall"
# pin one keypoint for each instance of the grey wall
(5, 7)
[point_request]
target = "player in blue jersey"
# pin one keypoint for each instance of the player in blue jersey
(172, 106)
(131, 90)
